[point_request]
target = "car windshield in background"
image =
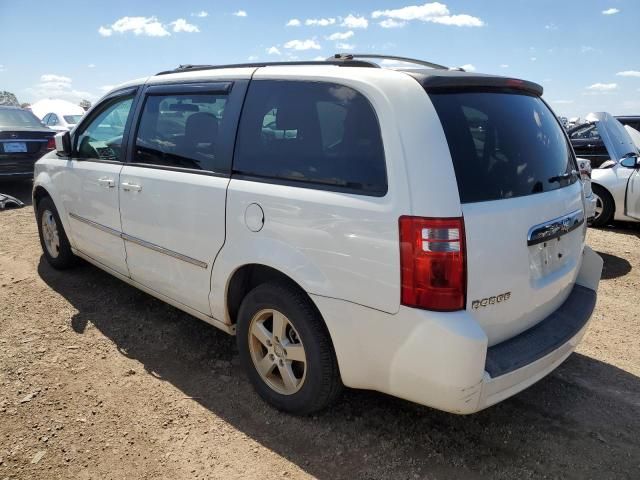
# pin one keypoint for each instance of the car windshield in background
(503, 145)
(14, 118)
(72, 119)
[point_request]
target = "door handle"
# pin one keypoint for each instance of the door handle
(107, 182)
(130, 187)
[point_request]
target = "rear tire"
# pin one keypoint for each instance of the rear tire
(53, 239)
(605, 207)
(286, 351)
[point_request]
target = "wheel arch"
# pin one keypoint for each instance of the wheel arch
(248, 276)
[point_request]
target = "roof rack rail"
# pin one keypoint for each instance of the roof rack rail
(337, 62)
(350, 57)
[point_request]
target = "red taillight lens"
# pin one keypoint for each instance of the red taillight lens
(432, 263)
(51, 143)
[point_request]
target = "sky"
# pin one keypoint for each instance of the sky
(583, 52)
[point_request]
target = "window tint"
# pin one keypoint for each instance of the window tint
(310, 132)
(181, 131)
(503, 145)
(15, 117)
(53, 119)
(102, 138)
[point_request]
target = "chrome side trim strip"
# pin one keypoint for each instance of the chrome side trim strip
(142, 243)
(555, 228)
(166, 251)
(96, 225)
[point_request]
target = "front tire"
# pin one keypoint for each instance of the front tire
(604, 207)
(286, 351)
(53, 239)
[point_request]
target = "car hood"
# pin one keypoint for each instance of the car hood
(617, 140)
(634, 134)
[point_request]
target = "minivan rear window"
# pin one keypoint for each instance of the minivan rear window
(503, 145)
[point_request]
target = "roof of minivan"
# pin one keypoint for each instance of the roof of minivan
(432, 79)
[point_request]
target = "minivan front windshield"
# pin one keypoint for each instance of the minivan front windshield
(503, 144)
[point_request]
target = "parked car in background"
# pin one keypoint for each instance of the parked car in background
(58, 115)
(632, 120)
(23, 140)
(615, 184)
(59, 122)
(410, 231)
(586, 142)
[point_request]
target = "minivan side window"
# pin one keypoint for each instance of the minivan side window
(311, 134)
(102, 137)
(181, 130)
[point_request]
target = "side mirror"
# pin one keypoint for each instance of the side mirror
(630, 162)
(63, 144)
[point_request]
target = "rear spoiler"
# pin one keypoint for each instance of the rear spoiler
(441, 81)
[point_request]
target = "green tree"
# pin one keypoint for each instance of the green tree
(8, 98)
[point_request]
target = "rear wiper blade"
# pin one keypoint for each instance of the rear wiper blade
(564, 176)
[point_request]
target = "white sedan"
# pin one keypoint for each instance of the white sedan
(616, 183)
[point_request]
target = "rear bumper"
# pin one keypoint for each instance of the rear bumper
(441, 359)
(16, 167)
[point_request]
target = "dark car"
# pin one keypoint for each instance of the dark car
(632, 120)
(587, 143)
(23, 140)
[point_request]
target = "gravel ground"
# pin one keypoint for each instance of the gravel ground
(99, 380)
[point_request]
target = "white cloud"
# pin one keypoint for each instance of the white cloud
(603, 87)
(49, 77)
(629, 73)
(149, 26)
(391, 23)
(504, 65)
(294, 22)
(273, 51)
(340, 35)
(551, 26)
(467, 67)
(91, 65)
(344, 46)
(351, 21)
(200, 14)
(105, 32)
(252, 58)
(533, 59)
(319, 58)
(302, 45)
(587, 49)
(319, 22)
(106, 88)
(240, 13)
(562, 102)
(610, 11)
(57, 86)
(434, 12)
(181, 25)
(2, 69)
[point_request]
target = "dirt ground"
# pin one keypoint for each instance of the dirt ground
(99, 380)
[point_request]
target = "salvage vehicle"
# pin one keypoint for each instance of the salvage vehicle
(590, 200)
(23, 140)
(616, 184)
(632, 121)
(586, 143)
(419, 232)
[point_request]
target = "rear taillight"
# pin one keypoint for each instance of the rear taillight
(51, 143)
(585, 169)
(432, 263)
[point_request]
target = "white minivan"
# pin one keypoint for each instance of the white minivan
(418, 232)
